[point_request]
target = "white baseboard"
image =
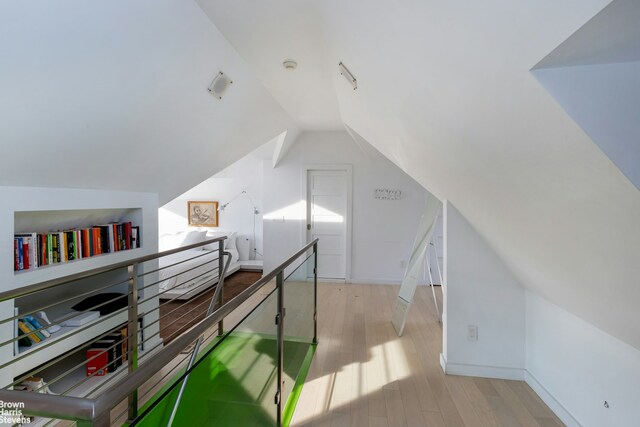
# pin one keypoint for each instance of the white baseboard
(557, 408)
(381, 282)
(480, 370)
(511, 374)
(375, 282)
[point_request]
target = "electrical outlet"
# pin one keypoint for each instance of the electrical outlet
(472, 333)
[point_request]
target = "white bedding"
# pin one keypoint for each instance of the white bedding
(200, 269)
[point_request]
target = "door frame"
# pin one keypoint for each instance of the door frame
(348, 169)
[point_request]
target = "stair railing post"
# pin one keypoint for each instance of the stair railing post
(280, 338)
(132, 341)
(221, 283)
(315, 293)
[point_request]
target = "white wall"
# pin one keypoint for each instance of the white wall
(581, 367)
(119, 91)
(243, 175)
(383, 231)
(479, 290)
(573, 366)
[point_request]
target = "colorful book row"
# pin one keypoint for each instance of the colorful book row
(31, 332)
(33, 250)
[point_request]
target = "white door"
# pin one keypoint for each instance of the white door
(327, 210)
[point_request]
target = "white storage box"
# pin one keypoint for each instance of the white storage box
(82, 318)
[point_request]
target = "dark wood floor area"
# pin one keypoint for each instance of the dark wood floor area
(177, 316)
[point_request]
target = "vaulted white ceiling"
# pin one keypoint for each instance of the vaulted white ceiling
(112, 94)
(266, 33)
(595, 76)
(445, 91)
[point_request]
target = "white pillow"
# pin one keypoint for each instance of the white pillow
(230, 243)
(192, 237)
(212, 235)
(234, 256)
(167, 242)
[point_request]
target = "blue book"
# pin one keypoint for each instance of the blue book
(33, 328)
(37, 325)
(20, 254)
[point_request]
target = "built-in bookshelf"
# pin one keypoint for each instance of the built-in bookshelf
(44, 211)
(34, 248)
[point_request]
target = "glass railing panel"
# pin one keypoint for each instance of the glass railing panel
(235, 383)
(298, 298)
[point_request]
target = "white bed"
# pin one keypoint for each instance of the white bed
(184, 275)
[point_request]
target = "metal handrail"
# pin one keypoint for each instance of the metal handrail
(97, 410)
(217, 297)
(52, 283)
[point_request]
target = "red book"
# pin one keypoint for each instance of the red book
(97, 366)
(16, 256)
(94, 241)
(127, 235)
(116, 245)
(25, 249)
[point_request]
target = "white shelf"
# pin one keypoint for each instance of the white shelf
(57, 345)
(42, 210)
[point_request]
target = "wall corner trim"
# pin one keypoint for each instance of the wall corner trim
(546, 396)
(467, 370)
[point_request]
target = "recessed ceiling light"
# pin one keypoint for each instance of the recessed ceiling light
(290, 64)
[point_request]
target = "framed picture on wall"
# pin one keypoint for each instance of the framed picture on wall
(202, 214)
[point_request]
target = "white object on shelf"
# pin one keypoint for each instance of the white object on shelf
(82, 318)
(52, 329)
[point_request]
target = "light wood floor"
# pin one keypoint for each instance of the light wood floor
(363, 374)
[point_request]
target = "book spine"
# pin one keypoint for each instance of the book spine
(136, 231)
(25, 341)
(116, 338)
(33, 255)
(127, 226)
(20, 254)
(40, 260)
(16, 255)
(27, 330)
(62, 240)
(97, 360)
(34, 329)
(85, 243)
(54, 248)
(97, 242)
(26, 252)
(49, 248)
(36, 324)
(124, 343)
(78, 242)
(110, 238)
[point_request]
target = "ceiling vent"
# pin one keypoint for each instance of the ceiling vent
(290, 64)
(347, 75)
(219, 85)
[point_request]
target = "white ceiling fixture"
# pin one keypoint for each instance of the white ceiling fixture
(344, 71)
(219, 85)
(290, 64)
